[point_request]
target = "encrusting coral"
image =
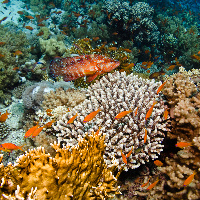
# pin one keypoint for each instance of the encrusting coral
(60, 97)
(77, 172)
(113, 94)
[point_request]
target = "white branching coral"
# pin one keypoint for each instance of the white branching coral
(113, 94)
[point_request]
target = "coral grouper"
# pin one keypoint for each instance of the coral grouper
(91, 66)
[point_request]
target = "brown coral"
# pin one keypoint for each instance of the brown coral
(60, 97)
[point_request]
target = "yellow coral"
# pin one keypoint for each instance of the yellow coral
(78, 172)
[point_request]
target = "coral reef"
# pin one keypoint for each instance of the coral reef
(9, 60)
(113, 94)
(135, 20)
(52, 47)
(4, 130)
(183, 97)
(60, 97)
(64, 176)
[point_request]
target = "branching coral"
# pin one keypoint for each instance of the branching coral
(78, 172)
(183, 97)
(113, 94)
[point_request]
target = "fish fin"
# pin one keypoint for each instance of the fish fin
(91, 78)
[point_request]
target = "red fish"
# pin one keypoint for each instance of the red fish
(91, 66)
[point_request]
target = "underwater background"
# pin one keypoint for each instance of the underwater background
(100, 99)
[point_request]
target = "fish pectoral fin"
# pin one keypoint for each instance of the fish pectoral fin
(91, 78)
(89, 72)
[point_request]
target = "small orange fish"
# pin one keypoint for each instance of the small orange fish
(29, 17)
(97, 133)
(49, 114)
(5, 1)
(37, 131)
(171, 67)
(17, 53)
(161, 87)
(145, 136)
(183, 144)
(198, 52)
(2, 43)
(30, 131)
(71, 120)
(113, 48)
(189, 179)
(91, 116)
(49, 124)
(48, 110)
(95, 38)
(29, 28)
(4, 116)
(86, 39)
(122, 114)
(129, 153)
(11, 147)
(20, 12)
(136, 111)
(158, 163)
(150, 110)
(15, 68)
(124, 158)
(145, 184)
(152, 185)
(146, 51)
(127, 50)
(115, 33)
(41, 24)
(165, 114)
(130, 65)
(1, 55)
(40, 33)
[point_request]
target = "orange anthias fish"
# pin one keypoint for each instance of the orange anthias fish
(49, 124)
(37, 131)
(165, 114)
(150, 110)
(124, 158)
(136, 111)
(183, 144)
(79, 66)
(91, 115)
(10, 147)
(4, 116)
(17, 53)
(71, 120)
(97, 133)
(145, 136)
(161, 87)
(30, 131)
(122, 114)
(152, 185)
(143, 185)
(189, 179)
(158, 163)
